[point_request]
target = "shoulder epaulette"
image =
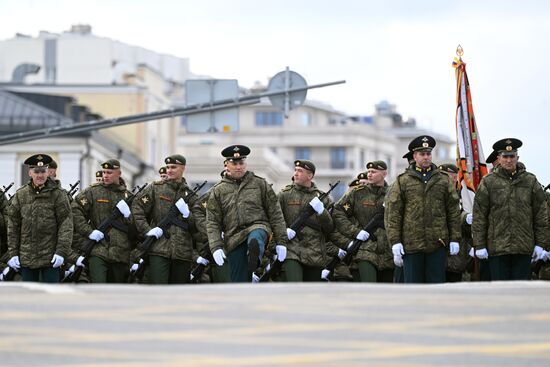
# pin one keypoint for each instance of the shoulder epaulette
(287, 187)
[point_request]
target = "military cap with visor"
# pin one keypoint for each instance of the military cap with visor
(38, 160)
(162, 170)
(353, 183)
(507, 147)
(175, 159)
(423, 143)
(362, 176)
(304, 163)
(235, 152)
(379, 165)
(492, 157)
(99, 174)
(110, 164)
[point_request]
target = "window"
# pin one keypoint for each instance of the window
(306, 119)
(302, 153)
(338, 157)
(269, 118)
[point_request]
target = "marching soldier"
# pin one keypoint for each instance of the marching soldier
(352, 213)
(108, 262)
(306, 254)
(245, 209)
(170, 258)
(40, 225)
(423, 217)
(162, 173)
(510, 219)
(99, 176)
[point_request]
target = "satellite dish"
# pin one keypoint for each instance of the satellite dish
(282, 82)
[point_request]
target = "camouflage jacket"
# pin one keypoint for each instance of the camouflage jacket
(236, 209)
(91, 207)
(422, 216)
(40, 224)
(3, 223)
(352, 213)
(152, 205)
(310, 245)
(510, 215)
(459, 262)
(201, 237)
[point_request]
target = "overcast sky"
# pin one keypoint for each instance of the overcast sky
(400, 51)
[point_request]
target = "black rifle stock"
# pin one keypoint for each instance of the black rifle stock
(275, 267)
(73, 189)
(376, 222)
(197, 271)
(5, 189)
(105, 226)
(171, 218)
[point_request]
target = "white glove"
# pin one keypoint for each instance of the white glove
(80, 262)
(223, 235)
(546, 256)
(324, 274)
(469, 218)
(398, 253)
(255, 278)
(341, 253)
(57, 261)
(4, 273)
(482, 254)
(14, 262)
(135, 266)
(538, 253)
(183, 207)
(454, 247)
(362, 235)
(96, 235)
(290, 233)
(157, 232)
(201, 260)
(123, 208)
(281, 252)
(471, 252)
(71, 270)
(317, 205)
(219, 256)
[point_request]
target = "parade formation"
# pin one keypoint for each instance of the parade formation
(413, 230)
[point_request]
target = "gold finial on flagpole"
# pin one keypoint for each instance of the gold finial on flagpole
(459, 51)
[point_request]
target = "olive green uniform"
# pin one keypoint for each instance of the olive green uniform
(307, 251)
(351, 214)
(510, 218)
(109, 259)
(171, 255)
(423, 215)
(237, 208)
(40, 224)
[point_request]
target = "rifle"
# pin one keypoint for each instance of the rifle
(171, 218)
(198, 270)
(275, 267)
(111, 221)
(376, 222)
(546, 188)
(73, 189)
(6, 189)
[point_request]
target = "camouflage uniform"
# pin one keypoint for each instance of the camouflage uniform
(309, 247)
(424, 215)
(510, 218)
(174, 249)
(351, 214)
(110, 257)
(40, 224)
(544, 273)
(237, 208)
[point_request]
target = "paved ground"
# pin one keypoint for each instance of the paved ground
(474, 324)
